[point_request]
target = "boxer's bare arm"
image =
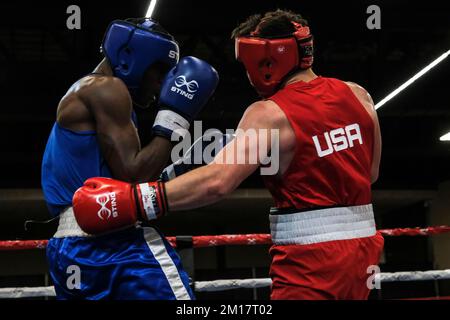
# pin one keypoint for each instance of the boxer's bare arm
(209, 184)
(111, 107)
(366, 100)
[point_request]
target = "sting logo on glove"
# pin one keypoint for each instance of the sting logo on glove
(104, 213)
(191, 86)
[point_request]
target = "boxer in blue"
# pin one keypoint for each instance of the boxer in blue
(95, 135)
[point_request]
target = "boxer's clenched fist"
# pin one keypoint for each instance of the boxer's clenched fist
(184, 92)
(102, 204)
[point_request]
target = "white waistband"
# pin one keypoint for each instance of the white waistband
(322, 225)
(68, 226)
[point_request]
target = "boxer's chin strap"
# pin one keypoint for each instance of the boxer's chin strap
(28, 222)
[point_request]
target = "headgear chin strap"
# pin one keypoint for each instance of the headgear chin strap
(133, 45)
(270, 60)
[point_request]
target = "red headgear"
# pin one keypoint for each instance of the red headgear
(269, 60)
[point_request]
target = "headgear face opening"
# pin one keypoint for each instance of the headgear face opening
(132, 45)
(269, 61)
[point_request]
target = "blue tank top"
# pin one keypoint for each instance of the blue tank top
(70, 158)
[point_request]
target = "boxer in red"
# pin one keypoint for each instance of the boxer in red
(322, 226)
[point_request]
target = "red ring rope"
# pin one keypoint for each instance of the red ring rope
(22, 244)
(221, 240)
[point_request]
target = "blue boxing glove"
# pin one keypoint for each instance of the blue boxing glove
(184, 92)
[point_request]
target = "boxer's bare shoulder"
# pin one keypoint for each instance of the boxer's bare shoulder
(106, 94)
(102, 85)
(91, 95)
(366, 100)
(265, 114)
(362, 95)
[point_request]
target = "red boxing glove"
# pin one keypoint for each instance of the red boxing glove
(104, 205)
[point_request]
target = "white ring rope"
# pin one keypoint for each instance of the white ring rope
(414, 276)
(35, 292)
(229, 284)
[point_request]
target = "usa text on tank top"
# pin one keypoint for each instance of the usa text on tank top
(333, 156)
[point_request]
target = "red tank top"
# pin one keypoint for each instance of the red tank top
(333, 156)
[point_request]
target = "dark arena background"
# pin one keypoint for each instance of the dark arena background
(40, 58)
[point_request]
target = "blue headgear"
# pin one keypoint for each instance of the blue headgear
(132, 45)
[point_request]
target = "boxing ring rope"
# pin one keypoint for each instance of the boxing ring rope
(229, 284)
(230, 239)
